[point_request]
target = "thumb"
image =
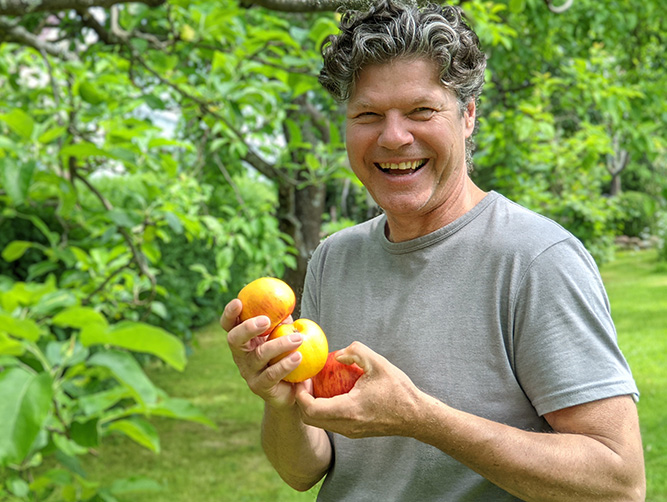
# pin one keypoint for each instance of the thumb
(359, 354)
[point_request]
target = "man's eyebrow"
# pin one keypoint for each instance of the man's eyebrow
(413, 103)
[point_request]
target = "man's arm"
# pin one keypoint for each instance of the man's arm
(300, 453)
(595, 452)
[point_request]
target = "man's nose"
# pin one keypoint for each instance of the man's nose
(395, 133)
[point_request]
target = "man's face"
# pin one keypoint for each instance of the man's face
(406, 140)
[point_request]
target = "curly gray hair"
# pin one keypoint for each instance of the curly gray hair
(390, 30)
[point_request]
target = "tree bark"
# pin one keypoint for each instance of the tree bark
(616, 164)
(300, 217)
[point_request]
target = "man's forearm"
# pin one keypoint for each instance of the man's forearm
(531, 465)
(301, 454)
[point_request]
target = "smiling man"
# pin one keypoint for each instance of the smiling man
(406, 143)
(492, 371)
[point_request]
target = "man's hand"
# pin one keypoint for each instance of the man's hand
(252, 353)
(382, 402)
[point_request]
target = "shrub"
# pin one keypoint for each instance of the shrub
(637, 216)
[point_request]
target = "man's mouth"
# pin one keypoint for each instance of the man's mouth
(402, 167)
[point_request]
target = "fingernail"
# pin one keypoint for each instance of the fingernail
(295, 357)
(296, 338)
(262, 322)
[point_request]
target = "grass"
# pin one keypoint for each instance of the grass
(198, 464)
(637, 288)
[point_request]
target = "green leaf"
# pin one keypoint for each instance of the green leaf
(517, 6)
(124, 218)
(9, 361)
(174, 222)
(159, 309)
(78, 317)
(83, 150)
(18, 486)
(85, 433)
(51, 134)
(16, 179)
(52, 237)
(139, 430)
(95, 404)
(67, 446)
(39, 269)
(25, 403)
(128, 372)
(152, 252)
(14, 250)
(20, 328)
(54, 301)
(19, 122)
(10, 347)
(66, 353)
(138, 337)
(90, 93)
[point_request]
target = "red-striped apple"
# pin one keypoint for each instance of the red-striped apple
(267, 296)
(335, 378)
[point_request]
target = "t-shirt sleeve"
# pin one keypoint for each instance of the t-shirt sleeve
(565, 343)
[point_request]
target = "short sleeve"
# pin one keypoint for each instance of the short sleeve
(565, 343)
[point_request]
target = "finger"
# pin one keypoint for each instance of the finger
(360, 354)
(272, 375)
(241, 334)
(274, 348)
(303, 396)
(317, 411)
(230, 314)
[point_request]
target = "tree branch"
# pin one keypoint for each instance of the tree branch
(137, 254)
(264, 167)
(18, 34)
(22, 7)
(228, 179)
(561, 8)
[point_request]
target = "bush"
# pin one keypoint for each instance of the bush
(637, 214)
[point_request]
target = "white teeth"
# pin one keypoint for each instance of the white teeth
(403, 165)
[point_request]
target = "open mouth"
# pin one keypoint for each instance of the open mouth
(401, 168)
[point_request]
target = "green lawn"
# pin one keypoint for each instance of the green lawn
(637, 288)
(198, 464)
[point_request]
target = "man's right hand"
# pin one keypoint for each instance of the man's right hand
(252, 353)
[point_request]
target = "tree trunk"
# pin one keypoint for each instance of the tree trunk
(616, 164)
(615, 188)
(300, 217)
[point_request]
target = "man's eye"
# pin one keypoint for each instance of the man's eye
(367, 116)
(422, 113)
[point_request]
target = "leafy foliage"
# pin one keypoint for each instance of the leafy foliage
(566, 95)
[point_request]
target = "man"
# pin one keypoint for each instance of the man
(491, 366)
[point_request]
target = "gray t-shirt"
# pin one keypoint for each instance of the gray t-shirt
(501, 314)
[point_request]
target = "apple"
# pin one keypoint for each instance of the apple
(335, 378)
(314, 348)
(267, 296)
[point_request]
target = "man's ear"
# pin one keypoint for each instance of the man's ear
(469, 117)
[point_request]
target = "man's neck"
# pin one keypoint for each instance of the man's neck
(405, 229)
